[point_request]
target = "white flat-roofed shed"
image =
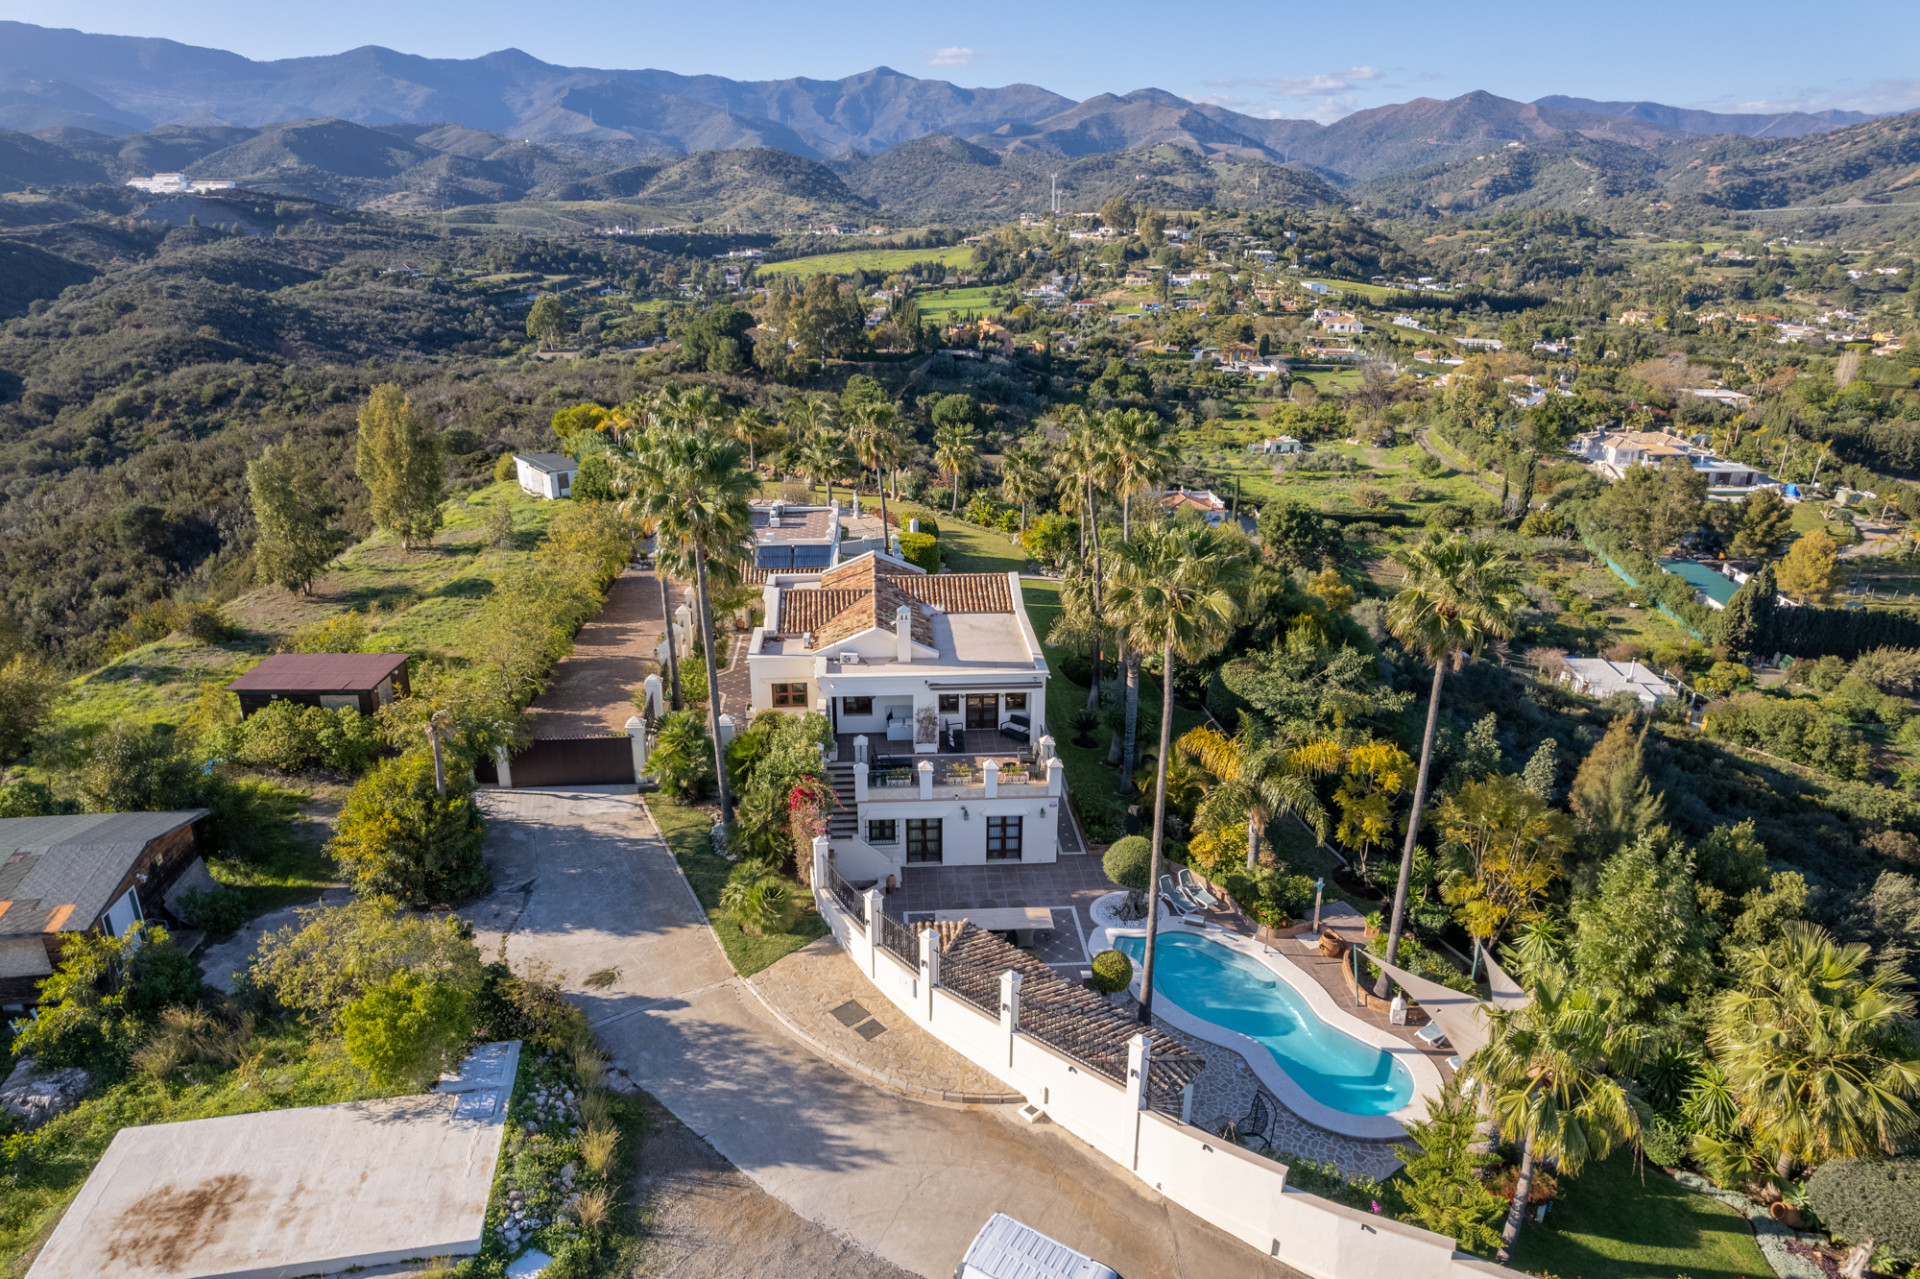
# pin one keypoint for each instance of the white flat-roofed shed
(1598, 677)
(318, 1190)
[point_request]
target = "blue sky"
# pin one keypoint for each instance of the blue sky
(1289, 58)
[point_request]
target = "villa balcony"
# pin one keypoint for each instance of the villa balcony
(947, 777)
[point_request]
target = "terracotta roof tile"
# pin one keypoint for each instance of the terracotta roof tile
(805, 611)
(870, 591)
(1061, 1013)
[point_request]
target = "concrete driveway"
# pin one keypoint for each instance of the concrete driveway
(585, 885)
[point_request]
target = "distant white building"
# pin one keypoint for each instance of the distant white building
(1613, 452)
(1282, 444)
(548, 475)
(1211, 508)
(178, 184)
(1732, 399)
(1600, 678)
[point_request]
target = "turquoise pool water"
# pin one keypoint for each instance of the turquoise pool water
(1220, 985)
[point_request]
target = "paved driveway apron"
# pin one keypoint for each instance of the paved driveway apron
(585, 884)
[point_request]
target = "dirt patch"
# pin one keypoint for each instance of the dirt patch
(592, 689)
(705, 1219)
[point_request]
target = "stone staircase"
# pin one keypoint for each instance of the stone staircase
(842, 823)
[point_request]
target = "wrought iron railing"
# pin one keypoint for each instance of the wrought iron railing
(977, 984)
(887, 777)
(900, 939)
(848, 896)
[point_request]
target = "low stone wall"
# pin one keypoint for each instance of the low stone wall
(1241, 1192)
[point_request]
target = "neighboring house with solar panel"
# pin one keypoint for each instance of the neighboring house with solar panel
(60, 876)
(786, 535)
(935, 686)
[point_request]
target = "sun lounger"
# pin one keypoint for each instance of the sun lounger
(1431, 1034)
(1177, 897)
(1191, 883)
(1455, 1062)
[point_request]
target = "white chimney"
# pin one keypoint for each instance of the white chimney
(903, 632)
(773, 516)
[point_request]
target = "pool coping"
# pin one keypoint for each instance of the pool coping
(1266, 1067)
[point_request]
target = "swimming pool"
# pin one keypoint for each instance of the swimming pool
(1220, 985)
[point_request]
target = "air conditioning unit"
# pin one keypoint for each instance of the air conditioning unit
(849, 659)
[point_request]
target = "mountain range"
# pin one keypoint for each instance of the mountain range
(120, 85)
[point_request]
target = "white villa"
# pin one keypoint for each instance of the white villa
(1598, 677)
(1613, 452)
(1210, 507)
(935, 685)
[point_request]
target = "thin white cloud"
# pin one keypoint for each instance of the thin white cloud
(955, 56)
(1875, 97)
(1323, 97)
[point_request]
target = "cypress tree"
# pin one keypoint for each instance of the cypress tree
(1746, 624)
(399, 460)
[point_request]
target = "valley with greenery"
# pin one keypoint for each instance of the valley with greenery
(1374, 498)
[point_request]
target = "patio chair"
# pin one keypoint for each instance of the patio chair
(1455, 1062)
(1430, 1034)
(1195, 892)
(1259, 1119)
(1172, 894)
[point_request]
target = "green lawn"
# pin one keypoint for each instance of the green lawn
(685, 830)
(869, 260)
(298, 871)
(1618, 1221)
(968, 548)
(940, 304)
(1086, 767)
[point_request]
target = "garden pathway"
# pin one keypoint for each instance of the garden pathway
(591, 691)
(587, 886)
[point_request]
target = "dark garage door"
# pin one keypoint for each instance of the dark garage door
(568, 761)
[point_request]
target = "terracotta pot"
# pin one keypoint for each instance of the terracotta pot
(1332, 946)
(1787, 1215)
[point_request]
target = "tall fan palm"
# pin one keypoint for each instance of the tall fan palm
(1814, 1051)
(689, 484)
(1139, 455)
(1026, 477)
(956, 452)
(875, 435)
(1553, 1068)
(751, 428)
(1260, 775)
(1458, 595)
(824, 457)
(1175, 589)
(1087, 459)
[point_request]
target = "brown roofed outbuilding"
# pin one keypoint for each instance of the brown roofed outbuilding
(365, 681)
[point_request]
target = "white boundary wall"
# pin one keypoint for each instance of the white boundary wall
(1240, 1192)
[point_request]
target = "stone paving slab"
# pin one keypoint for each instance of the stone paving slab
(821, 995)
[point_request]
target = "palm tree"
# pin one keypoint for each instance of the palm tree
(690, 485)
(1087, 459)
(1813, 1048)
(824, 457)
(1026, 476)
(1553, 1071)
(1139, 455)
(956, 451)
(1175, 589)
(877, 443)
(1458, 594)
(751, 428)
(1260, 775)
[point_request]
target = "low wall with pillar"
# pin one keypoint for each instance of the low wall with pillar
(1240, 1192)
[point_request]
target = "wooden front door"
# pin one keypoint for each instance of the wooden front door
(983, 710)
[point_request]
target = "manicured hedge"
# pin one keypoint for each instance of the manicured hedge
(1876, 1199)
(921, 549)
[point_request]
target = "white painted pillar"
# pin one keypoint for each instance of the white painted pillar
(860, 748)
(1056, 777)
(822, 859)
(726, 731)
(637, 735)
(929, 967)
(503, 766)
(926, 779)
(654, 696)
(1139, 1059)
(875, 903)
(990, 776)
(860, 782)
(1044, 747)
(1009, 1008)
